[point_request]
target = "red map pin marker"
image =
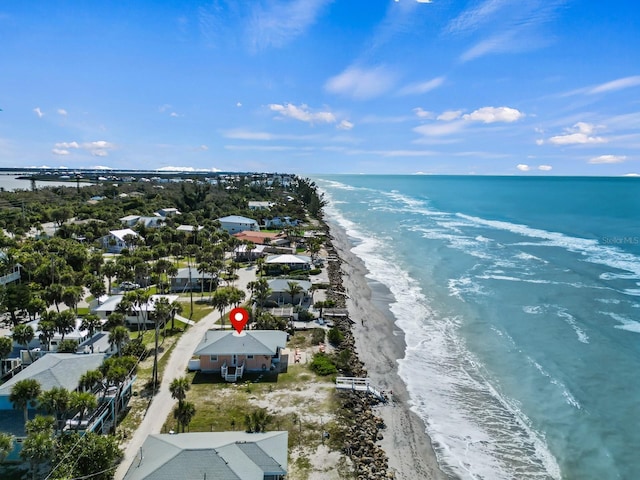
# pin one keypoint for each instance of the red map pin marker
(239, 318)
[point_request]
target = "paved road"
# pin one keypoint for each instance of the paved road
(162, 404)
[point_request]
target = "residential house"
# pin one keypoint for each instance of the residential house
(117, 240)
(293, 262)
(149, 222)
(262, 238)
(280, 222)
(190, 279)
(168, 212)
(280, 290)
(212, 455)
(260, 205)
(232, 354)
(236, 223)
(61, 370)
(139, 314)
(53, 370)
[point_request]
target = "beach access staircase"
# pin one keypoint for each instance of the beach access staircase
(357, 384)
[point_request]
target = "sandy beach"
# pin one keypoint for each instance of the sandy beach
(380, 344)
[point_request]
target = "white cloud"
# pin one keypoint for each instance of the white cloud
(608, 159)
(361, 83)
(494, 114)
(580, 133)
(39, 112)
(422, 87)
(60, 151)
(204, 148)
(174, 114)
(99, 148)
(238, 104)
(439, 129)
(545, 168)
(62, 111)
(420, 113)
(345, 125)
(449, 115)
(302, 113)
(164, 108)
(539, 141)
(523, 168)
(618, 84)
(281, 22)
(66, 145)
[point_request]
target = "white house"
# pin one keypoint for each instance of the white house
(137, 314)
(236, 223)
(116, 240)
(260, 205)
(294, 262)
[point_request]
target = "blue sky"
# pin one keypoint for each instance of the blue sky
(317, 86)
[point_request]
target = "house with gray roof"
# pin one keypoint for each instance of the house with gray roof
(211, 455)
(279, 288)
(232, 354)
(53, 370)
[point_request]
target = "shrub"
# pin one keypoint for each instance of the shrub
(335, 336)
(317, 336)
(322, 365)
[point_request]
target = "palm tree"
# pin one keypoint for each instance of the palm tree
(91, 323)
(115, 319)
(23, 334)
(82, 402)
(24, 393)
(220, 302)
(235, 296)
(53, 295)
(71, 296)
(65, 322)
(109, 270)
(257, 421)
(183, 414)
(89, 379)
(118, 337)
(293, 289)
(162, 313)
(56, 402)
(179, 388)
(47, 332)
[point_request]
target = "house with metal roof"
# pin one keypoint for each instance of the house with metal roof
(211, 455)
(233, 354)
(53, 370)
(293, 262)
(236, 223)
(116, 240)
(280, 289)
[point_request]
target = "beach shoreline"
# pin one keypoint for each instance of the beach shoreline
(379, 344)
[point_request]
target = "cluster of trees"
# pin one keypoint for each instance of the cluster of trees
(57, 271)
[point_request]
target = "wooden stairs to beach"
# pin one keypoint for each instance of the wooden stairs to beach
(357, 384)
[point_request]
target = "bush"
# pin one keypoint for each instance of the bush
(323, 365)
(335, 336)
(315, 271)
(317, 336)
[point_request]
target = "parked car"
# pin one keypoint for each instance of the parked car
(129, 286)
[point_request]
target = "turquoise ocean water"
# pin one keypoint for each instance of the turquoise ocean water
(520, 302)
